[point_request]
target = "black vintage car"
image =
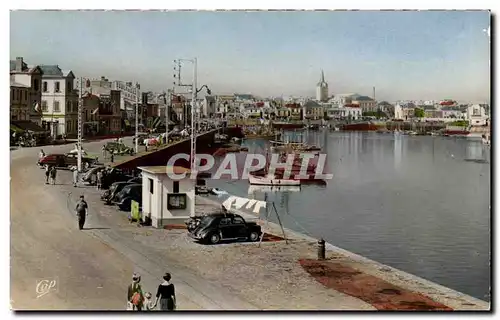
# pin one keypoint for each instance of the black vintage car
(109, 195)
(114, 175)
(124, 198)
(218, 227)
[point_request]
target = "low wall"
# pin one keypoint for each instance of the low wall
(204, 144)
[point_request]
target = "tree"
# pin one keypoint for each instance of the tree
(419, 113)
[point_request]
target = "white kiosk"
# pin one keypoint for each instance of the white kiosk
(164, 200)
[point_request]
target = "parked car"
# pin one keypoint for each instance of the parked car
(114, 175)
(136, 180)
(65, 160)
(218, 227)
(109, 195)
(91, 175)
(130, 192)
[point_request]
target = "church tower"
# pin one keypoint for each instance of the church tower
(322, 89)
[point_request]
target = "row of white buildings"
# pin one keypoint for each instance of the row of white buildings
(476, 114)
(43, 95)
(46, 97)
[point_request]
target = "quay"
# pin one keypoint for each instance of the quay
(93, 267)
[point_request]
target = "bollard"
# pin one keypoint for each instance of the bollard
(321, 249)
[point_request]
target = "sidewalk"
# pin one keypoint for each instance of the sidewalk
(238, 276)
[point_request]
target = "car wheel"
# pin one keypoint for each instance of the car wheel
(254, 236)
(214, 238)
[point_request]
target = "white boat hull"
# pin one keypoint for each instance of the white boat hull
(270, 181)
(253, 189)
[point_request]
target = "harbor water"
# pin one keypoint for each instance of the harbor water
(417, 203)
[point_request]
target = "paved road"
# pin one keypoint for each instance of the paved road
(92, 267)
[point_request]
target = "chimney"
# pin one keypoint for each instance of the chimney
(19, 64)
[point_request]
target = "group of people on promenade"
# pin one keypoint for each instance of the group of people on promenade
(50, 171)
(138, 300)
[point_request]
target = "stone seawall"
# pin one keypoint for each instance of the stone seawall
(204, 144)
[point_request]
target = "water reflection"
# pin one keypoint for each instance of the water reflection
(409, 202)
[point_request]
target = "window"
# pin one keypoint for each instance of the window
(26, 95)
(12, 94)
(56, 106)
(36, 85)
(44, 86)
(68, 106)
(151, 184)
(176, 201)
(238, 220)
(45, 107)
(57, 86)
(70, 86)
(176, 187)
(225, 221)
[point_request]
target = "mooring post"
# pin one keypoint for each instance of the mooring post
(321, 249)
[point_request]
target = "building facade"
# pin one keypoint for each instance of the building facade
(19, 101)
(22, 75)
(59, 101)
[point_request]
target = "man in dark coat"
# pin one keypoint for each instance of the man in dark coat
(81, 212)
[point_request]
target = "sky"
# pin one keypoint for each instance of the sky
(404, 54)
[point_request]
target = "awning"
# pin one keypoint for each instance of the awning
(15, 129)
(28, 126)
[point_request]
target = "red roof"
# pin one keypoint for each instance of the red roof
(351, 105)
(292, 105)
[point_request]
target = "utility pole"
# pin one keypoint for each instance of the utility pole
(194, 93)
(80, 124)
(81, 81)
(194, 132)
(136, 117)
(167, 112)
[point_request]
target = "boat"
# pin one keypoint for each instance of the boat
(360, 126)
(288, 125)
(260, 188)
(218, 192)
(271, 180)
(281, 146)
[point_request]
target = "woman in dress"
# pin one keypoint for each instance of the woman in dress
(166, 294)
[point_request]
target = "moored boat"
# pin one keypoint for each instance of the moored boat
(256, 188)
(360, 126)
(271, 180)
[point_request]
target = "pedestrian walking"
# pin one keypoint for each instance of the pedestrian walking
(81, 212)
(135, 296)
(75, 177)
(112, 157)
(53, 175)
(99, 180)
(166, 294)
(47, 174)
(104, 151)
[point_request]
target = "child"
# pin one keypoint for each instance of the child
(148, 303)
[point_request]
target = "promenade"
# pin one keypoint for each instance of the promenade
(93, 267)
